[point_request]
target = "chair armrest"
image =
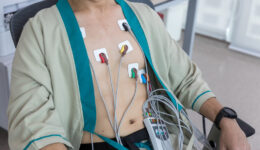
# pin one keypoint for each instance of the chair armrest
(214, 133)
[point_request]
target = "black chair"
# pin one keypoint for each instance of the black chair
(20, 18)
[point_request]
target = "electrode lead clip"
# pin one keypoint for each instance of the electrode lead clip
(130, 70)
(123, 25)
(122, 44)
(134, 73)
(126, 26)
(144, 81)
(147, 77)
(123, 50)
(103, 58)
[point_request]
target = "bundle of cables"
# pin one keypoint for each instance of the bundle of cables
(152, 105)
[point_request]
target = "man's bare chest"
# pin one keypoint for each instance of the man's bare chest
(110, 39)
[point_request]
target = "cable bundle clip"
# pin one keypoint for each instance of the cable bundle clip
(103, 58)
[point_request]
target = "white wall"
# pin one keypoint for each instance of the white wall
(246, 32)
(214, 17)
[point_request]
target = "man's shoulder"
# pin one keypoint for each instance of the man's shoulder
(45, 18)
(141, 9)
(138, 5)
(147, 17)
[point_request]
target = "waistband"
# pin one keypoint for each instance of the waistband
(134, 141)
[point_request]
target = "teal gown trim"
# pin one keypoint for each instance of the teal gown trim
(140, 36)
(81, 60)
(43, 137)
(83, 70)
(196, 99)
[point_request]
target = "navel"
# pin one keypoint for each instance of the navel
(131, 121)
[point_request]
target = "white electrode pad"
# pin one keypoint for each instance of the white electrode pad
(140, 72)
(130, 47)
(120, 23)
(83, 32)
(98, 51)
(130, 67)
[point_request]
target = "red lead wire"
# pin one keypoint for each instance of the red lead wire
(103, 58)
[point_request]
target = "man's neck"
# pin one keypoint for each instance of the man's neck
(91, 5)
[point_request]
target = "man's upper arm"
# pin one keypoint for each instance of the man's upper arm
(33, 120)
(186, 79)
(182, 76)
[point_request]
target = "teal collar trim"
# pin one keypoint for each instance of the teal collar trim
(140, 36)
(81, 61)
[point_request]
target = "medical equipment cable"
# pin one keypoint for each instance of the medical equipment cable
(184, 126)
(173, 124)
(204, 125)
(115, 101)
(168, 103)
(160, 118)
(127, 29)
(129, 106)
(159, 122)
(146, 66)
(199, 136)
(124, 48)
(181, 138)
(115, 104)
(92, 144)
(153, 100)
(149, 92)
(114, 126)
(162, 99)
(102, 97)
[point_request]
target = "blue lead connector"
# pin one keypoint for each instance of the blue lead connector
(143, 79)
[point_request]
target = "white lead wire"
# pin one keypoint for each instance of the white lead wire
(92, 143)
(114, 125)
(102, 98)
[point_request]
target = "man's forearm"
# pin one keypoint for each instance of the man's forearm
(211, 108)
(231, 137)
(55, 146)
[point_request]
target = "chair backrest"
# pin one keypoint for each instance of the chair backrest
(20, 18)
(147, 2)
